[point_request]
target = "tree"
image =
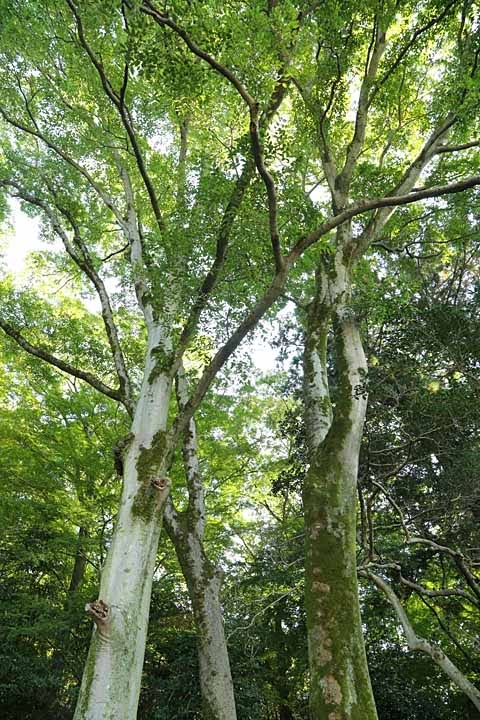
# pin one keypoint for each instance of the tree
(84, 106)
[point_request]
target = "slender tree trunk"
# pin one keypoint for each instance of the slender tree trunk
(186, 531)
(204, 583)
(111, 681)
(340, 685)
(80, 564)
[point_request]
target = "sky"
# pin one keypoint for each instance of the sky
(19, 239)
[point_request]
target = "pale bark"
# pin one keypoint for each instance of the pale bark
(339, 680)
(186, 531)
(416, 643)
(111, 680)
(204, 584)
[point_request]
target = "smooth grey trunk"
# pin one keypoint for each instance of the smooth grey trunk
(186, 531)
(111, 680)
(339, 681)
(204, 584)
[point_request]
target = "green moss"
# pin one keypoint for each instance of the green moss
(88, 675)
(150, 459)
(149, 465)
(163, 362)
(340, 684)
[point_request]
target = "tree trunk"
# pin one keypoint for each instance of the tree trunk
(340, 685)
(111, 680)
(80, 564)
(204, 583)
(186, 531)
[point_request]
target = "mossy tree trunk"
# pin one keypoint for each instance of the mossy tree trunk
(111, 680)
(340, 685)
(186, 530)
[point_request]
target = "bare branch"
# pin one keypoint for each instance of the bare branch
(181, 167)
(443, 592)
(118, 100)
(172, 519)
(457, 148)
(457, 557)
(133, 234)
(269, 186)
(392, 502)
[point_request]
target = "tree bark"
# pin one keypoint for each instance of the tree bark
(111, 680)
(186, 531)
(204, 583)
(340, 684)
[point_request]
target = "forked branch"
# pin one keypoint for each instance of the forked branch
(417, 643)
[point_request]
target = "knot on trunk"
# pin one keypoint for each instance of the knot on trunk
(99, 611)
(159, 483)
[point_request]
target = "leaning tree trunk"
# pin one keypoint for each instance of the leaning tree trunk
(204, 583)
(111, 680)
(340, 685)
(186, 531)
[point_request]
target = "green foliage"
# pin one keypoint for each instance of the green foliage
(416, 295)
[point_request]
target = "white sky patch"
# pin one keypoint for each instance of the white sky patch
(19, 239)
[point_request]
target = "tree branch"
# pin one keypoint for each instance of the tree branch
(196, 494)
(456, 148)
(106, 199)
(457, 557)
(211, 278)
(361, 206)
(407, 182)
(60, 364)
(269, 186)
(409, 45)
(118, 100)
(84, 263)
(224, 232)
(164, 20)
(416, 643)
(375, 53)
